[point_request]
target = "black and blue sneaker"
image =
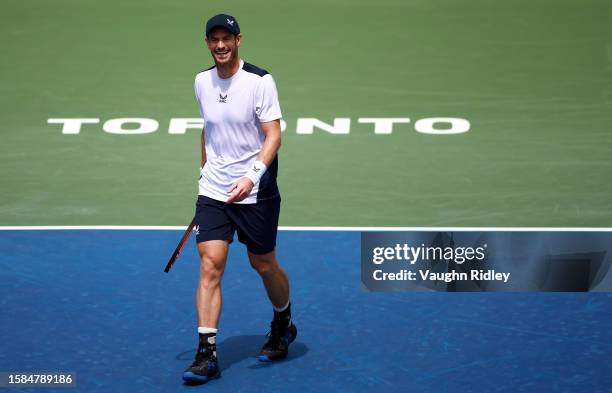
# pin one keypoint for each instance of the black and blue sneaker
(205, 366)
(279, 338)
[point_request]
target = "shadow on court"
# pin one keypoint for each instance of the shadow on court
(235, 349)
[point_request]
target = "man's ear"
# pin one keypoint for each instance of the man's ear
(238, 39)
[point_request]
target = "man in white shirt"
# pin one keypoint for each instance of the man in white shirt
(237, 190)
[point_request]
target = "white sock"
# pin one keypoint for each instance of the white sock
(212, 339)
(282, 308)
(207, 330)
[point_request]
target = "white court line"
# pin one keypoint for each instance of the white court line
(307, 228)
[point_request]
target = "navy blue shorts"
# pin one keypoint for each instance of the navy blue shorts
(256, 224)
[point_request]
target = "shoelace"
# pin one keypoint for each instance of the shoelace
(201, 355)
(276, 333)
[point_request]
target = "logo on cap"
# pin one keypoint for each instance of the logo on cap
(223, 20)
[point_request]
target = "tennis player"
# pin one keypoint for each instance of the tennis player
(237, 190)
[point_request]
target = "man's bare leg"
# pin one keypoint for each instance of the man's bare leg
(274, 278)
(282, 330)
(213, 257)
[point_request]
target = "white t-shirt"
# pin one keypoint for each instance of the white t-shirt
(232, 110)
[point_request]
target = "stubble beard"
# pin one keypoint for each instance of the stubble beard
(229, 63)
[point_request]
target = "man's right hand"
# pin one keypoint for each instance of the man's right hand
(240, 190)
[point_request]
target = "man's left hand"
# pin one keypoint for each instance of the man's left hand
(240, 190)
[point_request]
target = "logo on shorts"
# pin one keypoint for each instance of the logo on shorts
(223, 98)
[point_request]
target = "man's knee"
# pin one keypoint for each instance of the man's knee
(211, 270)
(264, 264)
(212, 264)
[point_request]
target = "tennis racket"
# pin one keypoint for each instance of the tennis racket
(179, 247)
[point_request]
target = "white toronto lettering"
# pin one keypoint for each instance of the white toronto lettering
(383, 125)
(179, 125)
(306, 125)
(116, 126)
(72, 126)
(426, 126)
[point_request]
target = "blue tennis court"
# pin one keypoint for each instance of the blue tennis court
(97, 302)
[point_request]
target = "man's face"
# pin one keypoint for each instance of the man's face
(223, 45)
